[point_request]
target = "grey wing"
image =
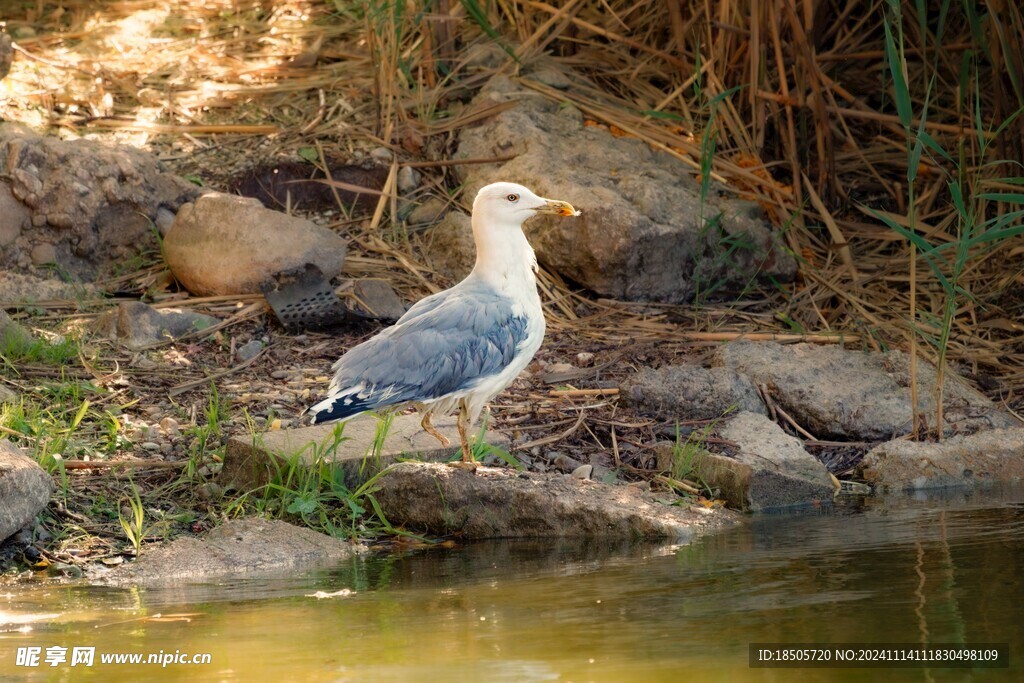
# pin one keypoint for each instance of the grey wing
(460, 340)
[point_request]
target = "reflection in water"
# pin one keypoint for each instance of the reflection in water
(895, 570)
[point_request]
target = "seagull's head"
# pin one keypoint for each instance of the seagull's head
(509, 204)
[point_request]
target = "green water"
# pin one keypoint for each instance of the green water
(944, 569)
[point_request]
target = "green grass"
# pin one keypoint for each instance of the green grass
(309, 489)
(134, 525)
(14, 351)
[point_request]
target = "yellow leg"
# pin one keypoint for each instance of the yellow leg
(430, 429)
(467, 450)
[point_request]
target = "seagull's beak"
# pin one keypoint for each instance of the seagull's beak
(557, 207)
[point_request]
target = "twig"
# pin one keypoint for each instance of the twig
(570, 393)
(440, 163)
(793, 423)
(677, 484)
(113, 464)
(557, 437)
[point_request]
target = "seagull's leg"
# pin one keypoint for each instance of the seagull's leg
(467, 450)
(430, 429)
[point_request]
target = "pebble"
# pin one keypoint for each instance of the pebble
(209, 491)
(249, 350)
(150, 446)
(169, 425)
(559, 368)
(565, 463)
(382, 153)
(281, 374)
(583, 472)
(408, 179)
(584, 357)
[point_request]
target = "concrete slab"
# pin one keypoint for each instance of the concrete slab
(249, 464)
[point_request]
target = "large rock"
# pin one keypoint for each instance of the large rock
(640, 235)
(771, 469)
(223, 244)
(855, 395)
(82, 204)
(995, 456)
(137, 325)
(501, 503)
(25, 489)
(690, 392)
(236, 547)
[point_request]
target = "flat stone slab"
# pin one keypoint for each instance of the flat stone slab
(503, 503)
(985, 458)
(771, 470)
(249, 464)
(236, 547)
(25, 489)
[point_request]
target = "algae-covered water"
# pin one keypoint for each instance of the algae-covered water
(939, 569)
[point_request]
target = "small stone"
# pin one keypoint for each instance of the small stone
(552, 77)
(281, 374)
(169, 425)
(565, 463)
(6, 395)
(210, 491)
(382, 153)
(559, 368)
(583, 472)
(584, 358)
(164, 220)
(150, 445)
(249, 350)
(43, 254)
(408, 179)
(428, 212)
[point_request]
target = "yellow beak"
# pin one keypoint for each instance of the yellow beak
(558, 208)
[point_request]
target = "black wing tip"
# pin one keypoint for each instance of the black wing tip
(337, 410)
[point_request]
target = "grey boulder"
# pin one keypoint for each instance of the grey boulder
(641, 235)
(25, 489)
(856, 395)
(969, 461)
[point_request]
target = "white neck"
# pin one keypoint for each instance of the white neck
(504, 259)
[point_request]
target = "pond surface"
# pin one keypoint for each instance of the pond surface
(908, 570)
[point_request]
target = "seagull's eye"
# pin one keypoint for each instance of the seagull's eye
(513, 198)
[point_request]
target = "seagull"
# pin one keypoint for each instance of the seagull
(457, 349)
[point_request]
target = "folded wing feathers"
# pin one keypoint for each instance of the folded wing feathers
(446, 343)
